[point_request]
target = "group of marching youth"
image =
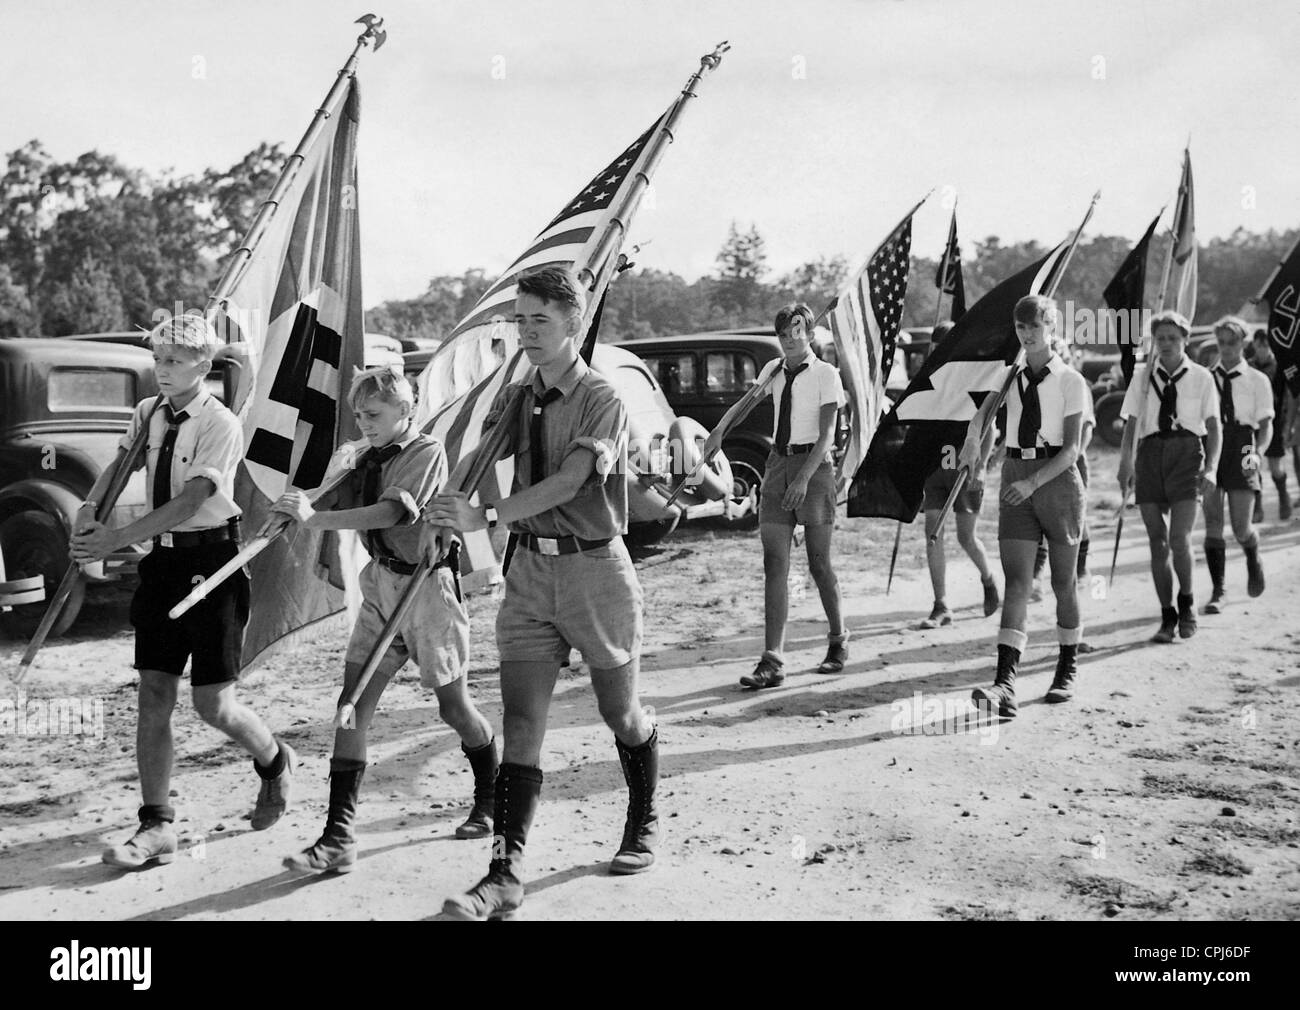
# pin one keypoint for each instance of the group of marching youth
(1198, 435)
(1193, 436)
(570, 584)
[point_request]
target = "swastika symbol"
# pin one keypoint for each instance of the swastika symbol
(1284, 320)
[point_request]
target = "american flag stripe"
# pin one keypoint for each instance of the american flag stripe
(481, 355)
(864, 325)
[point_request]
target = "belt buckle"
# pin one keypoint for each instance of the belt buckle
(547, 547)
(164, 540)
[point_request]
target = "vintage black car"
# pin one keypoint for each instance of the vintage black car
(63, 407)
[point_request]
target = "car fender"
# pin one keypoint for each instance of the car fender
(42, 496)
(712, 482)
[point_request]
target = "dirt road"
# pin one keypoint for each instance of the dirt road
(1170, 788)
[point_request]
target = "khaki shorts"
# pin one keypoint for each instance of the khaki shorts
(589, 601)
(940, 484)
(1168, 469)
(1054, 511)
(818, 508)
(435, 634)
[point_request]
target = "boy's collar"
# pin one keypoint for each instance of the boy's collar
(195, 404)
(402, 441)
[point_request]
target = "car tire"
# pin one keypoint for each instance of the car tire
(35, 544)
(1109, 424)
(747, 467)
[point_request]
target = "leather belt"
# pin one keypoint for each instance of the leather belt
(200, 538)
(793, 450)
(399, 567)
(1038, 452)
(553, 547)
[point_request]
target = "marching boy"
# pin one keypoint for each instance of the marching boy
(194, 446)
(383, 498)
(571, 584)
(1246, 413)
(1173, 467)
(798, 488)
(1042, 497)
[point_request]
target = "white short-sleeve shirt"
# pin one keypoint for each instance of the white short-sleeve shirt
(1062, 393)
(813, 388)
(209, 443)
(1198, 399)
(1252, 394)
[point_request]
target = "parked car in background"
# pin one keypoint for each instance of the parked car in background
(662, 448)
(64, 405)
(702, 375)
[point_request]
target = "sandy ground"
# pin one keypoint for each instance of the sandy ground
(1170, 788)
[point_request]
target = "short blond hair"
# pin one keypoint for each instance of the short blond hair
(386, 382)
(190, 330)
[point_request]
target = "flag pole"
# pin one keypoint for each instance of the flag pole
(595, 274)
(229, 278)
(616, 228)
(756, 392)
(938, 316)
(1148, 340)
(243, 254)
(117, 484)
(237, 265)
(943, 268)
(963, 475)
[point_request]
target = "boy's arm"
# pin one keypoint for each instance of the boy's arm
(98, 540)
(86, 514)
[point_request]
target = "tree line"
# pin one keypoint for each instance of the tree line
(93, 245)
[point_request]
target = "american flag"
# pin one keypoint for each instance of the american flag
(482, 355)
(486, 336)
(864, 322)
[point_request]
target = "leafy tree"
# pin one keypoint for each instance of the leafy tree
(17, 318)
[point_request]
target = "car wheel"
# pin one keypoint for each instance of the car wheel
(645, 534)
(35, 544)
(1109, 424)
(746, 473)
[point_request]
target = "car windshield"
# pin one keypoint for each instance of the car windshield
(729, 372)
(81, 388)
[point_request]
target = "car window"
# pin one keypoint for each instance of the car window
(676, 372)
(79, 388)
(729, 371)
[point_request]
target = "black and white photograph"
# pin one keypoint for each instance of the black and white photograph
(651, 461)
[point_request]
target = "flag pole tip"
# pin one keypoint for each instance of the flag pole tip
(374, 29)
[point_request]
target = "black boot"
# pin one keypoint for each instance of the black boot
(1168, 626)
(1216, 561)
(1254, 570)
(1003, 692)
(641, 832)
(336, 849)
(1067, 666)
(483, 761)
(1186, 615)
(500, 894)
(1283, 499)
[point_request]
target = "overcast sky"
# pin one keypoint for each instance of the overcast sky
(825, 122)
